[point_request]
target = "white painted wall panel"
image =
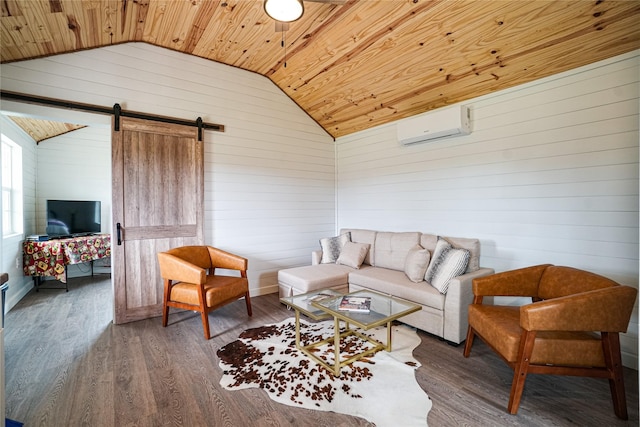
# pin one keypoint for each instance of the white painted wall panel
(549, 175)
(11, 247)
(269, 178)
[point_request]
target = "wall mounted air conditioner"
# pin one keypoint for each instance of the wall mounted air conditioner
(442, 123)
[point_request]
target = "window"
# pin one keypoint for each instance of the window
(11, 187)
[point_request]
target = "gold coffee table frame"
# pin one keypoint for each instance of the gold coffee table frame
(384, 310)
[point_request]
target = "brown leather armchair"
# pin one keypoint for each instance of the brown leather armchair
(571, 328)
(190, 281)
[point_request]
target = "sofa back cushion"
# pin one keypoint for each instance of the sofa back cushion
(391, 249)
(428, 241)
(558, 281)
(363, 236)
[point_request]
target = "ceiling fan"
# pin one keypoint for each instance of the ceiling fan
(286, 11)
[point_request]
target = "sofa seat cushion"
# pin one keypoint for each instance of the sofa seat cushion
(312, 277)
(396, 283)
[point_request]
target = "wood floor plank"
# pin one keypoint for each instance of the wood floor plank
(68, 365)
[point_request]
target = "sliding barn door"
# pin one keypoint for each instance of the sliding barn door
(158, 179)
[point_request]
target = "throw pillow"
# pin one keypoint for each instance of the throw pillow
(332, 246)
(353, 254)
(441, 246)
(454, 264)
(447, 263)
(416, 262)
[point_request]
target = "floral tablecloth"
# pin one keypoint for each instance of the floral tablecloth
(50, 258)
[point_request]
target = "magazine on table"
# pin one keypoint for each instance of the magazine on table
(355, 303)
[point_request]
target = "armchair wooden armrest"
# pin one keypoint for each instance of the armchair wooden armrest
(518, 283)
(602, 310)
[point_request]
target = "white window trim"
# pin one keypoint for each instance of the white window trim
(14, 187)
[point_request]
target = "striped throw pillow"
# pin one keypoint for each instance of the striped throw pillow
(447, 263)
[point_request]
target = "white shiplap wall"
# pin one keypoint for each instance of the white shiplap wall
(75, 166)
(548, 175)
(11, 247)
(269, 178)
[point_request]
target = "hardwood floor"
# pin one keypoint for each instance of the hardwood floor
(68, 365)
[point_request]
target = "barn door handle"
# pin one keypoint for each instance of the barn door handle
(119, 233)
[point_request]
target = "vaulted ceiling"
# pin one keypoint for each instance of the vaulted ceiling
(351, 66)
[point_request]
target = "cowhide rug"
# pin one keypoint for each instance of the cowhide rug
(382, 389)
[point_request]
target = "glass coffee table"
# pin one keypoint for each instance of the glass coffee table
(320, 305)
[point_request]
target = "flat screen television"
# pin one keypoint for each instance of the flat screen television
(73, 217)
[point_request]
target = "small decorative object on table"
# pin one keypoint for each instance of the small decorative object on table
(354, 303)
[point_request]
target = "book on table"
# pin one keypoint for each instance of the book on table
(355, 303)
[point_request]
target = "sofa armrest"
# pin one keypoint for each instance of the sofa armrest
(316, 256)
(456, 303)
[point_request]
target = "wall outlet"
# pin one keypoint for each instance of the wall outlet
(17, 262)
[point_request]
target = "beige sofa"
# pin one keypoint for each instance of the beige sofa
(390, 259)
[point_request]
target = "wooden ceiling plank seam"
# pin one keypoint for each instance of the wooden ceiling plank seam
(200, 23)
(11, 8)
(152, 25)
(180, 22)
(142, 11)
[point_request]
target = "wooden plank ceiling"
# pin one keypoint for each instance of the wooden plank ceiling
(40, 130)
(350, 66)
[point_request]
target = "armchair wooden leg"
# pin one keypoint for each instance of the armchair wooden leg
(469, 342)
(165, 315)
(247, 300)
(165, 300)
(205, 323)
(520, 370)
(611, 347)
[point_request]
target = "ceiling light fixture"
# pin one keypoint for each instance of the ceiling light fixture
(284, 10)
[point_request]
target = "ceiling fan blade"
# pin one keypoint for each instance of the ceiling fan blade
(281, 26)
(339, 2)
